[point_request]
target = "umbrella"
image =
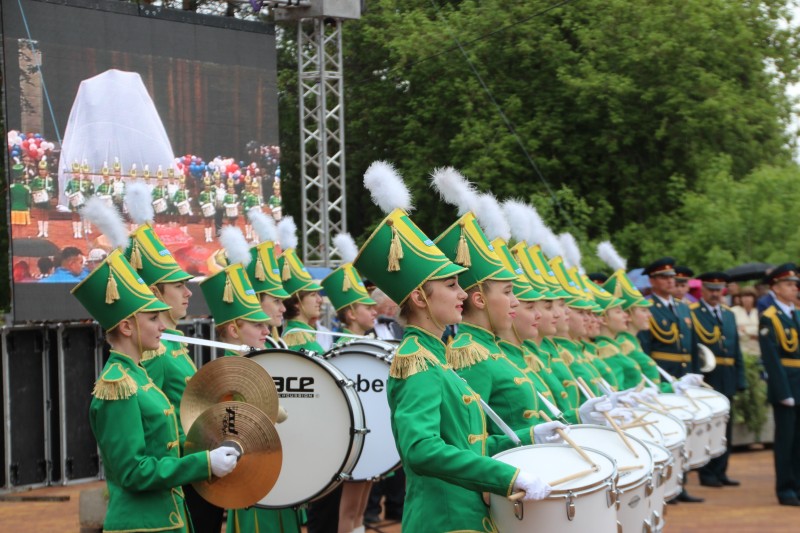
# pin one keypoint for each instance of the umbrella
(34, 248)
(639, 279)
(749, 271)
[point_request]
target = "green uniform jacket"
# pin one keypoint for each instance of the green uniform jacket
(605, 371)
(137, 433)
(778, 338)
(723, 340)
(628, 373)
(538, 361)
(670, 338)
(254, 519)
(20, 197)
(629, 346)
(299, 340)
(550, 356)
(441, 433)
(571, 353)
(476, 357)
(516, 354)
(43, 184)
(171, 369)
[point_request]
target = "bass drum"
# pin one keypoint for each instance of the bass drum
(324, 433)
(366, 363)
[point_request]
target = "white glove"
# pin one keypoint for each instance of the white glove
(681, 387)
(693, 380)
(546, 432)
(591, 411)
(534, 487)
(621, 415)
(645, 395)
(788, 402)
(223, 460)
(623, 396)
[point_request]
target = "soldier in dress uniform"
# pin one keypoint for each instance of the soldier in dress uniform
(670, 339)
(715, 327)
(779, 338)
(134, 423)
(437, 420)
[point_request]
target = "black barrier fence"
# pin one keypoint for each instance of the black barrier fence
(48, 372)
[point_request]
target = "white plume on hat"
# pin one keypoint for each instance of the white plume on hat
(491, 218)
(138, 200)
(264, 225)
(348, 250)
(455, 189)
(287, 233)
(236, 247)
(386, 187)
(517, 214)
(108, 220)
(609, 255)
(549, 242)
(572, 253)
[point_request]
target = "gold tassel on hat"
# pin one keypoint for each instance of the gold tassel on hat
(261, 274)
(286, 275)
(346, 285)
(112, 293)
(462, 251)
(136, 256)
(227, 293)
(395, 249)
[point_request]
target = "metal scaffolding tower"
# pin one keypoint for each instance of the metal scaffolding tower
(321, 107)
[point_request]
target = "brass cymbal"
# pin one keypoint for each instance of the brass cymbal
(224, 379)
(248, 428)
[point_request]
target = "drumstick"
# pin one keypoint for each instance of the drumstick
(629, 468)
(521, 494)
(613, 424)
(568, 440)
(636, 425)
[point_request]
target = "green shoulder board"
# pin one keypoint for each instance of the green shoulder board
(463, 351)
(115, 384)
(411, 358)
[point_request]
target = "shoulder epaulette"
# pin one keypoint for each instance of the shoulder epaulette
(115, 384)
(770, 311)
(626, 347)
(464, 351)
(606, 350)
(150, 354)
(298, 338)
(694, 306)
(565, 355)
(726, 307)
(410, 358)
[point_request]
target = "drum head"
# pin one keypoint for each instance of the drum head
(318, 435)
(679, 406)
(630, 467)
(671, 428)
(367, 366)
(718, 402)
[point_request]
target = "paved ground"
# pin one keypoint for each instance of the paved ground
(749, 508)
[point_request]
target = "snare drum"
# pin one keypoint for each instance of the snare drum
(40, 196)
(160, 205)
(673, 437)
(107, 200)
(662, 471)
(697, 417)
(232, 211)
(324, 432)
(76, 199)
(366, 363)
(633, 486)
(720, 414)
(183, 207)
(583, 505)
(208, 210)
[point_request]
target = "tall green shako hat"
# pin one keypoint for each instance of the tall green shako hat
(464, 242)
(113, 291)
(618, 283)
(228, 293)
(263, 268)
(571, 254)
(497, 229)
(294, 274)
(145, 251)
(344, 286)
(398, 257)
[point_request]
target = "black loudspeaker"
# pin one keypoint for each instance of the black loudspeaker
(26, 406)
(76, 354)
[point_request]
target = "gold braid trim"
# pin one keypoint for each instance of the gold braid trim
(297, 338)
(789, 344)
(589, 355)
(115, 384)
(705, 336)
(406, 365)
(626, 347)
(534, 363)
(565, 355)
(152, 354)
(662, 335)
(606, 350)
(471, 353)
